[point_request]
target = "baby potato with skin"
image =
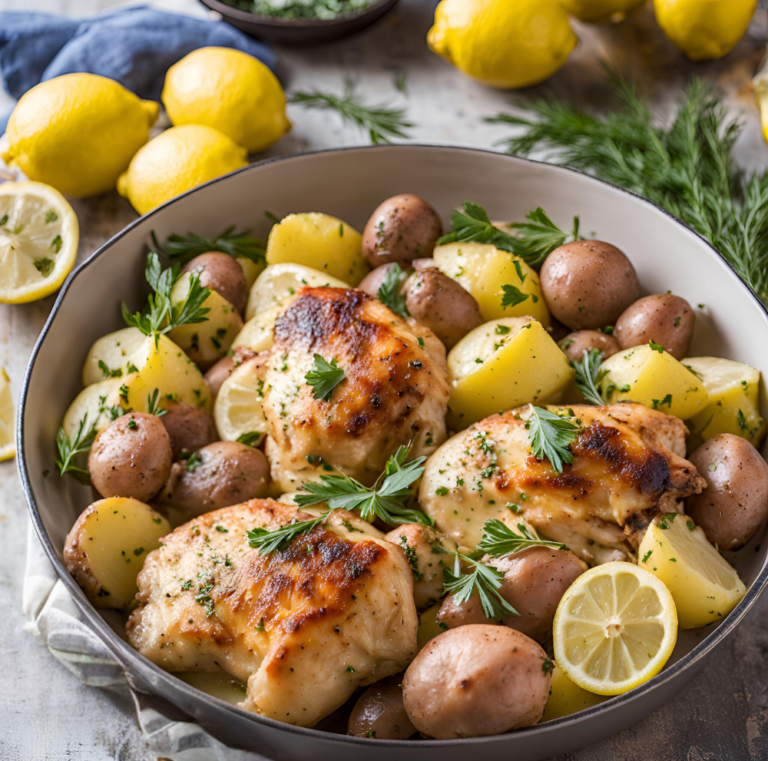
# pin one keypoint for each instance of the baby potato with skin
(218, 475)
(189, 428)
(575, 344)
(380, 713)
(664, 319)
(221, 273)
(402, 228)
(735, 503)
(131, 457)
(476, 680)
(588, 283)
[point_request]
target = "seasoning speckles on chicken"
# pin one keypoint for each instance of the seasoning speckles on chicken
(302, 627)
(628, 466)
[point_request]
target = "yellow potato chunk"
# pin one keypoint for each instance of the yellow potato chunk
(279, 282)
(169, 370)
(484, 270)
(504, 364)
(704, 585)
(113, 355)
(205, 342)
(106, 548)
(733, 407)
(653, 377)
(429, 628)
(98, 404)
(566, 697)
(319, 241)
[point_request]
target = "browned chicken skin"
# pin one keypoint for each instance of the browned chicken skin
(303, 627)
(628, 466)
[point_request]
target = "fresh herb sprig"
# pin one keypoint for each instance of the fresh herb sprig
(533, 242)
(267, 542)
(551, 437)
(686, 167)
(386, 499)
(499, 540)
(324, 377)
(382, 122)
(69, 449)
(390, 290)
(160, 316)
(589, 375)
(187, 247)
(153, 406)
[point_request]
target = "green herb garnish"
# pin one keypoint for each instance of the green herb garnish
(324, 377)
(236, 244)
(589, 375)
(69, 448)
(499, 540)
(250, 439)
(512, 296)
(267, 542)
(551, 437)
(389, 292)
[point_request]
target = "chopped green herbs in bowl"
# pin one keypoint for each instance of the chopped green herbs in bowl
(302, 9)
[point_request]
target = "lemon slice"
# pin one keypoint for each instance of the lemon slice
(39, 235)
(615, 628)
(704, 585)
(237, 411)
(7, 442)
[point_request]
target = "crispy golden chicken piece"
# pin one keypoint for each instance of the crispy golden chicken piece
(628, 466)
(303, 627)
(395, 387)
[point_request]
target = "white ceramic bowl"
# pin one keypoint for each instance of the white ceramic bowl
(350, 184)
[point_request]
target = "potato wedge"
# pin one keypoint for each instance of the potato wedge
(237, 411)
(733, 407)
(106, 548)
(653, 377)
(258, 333)
(279, 282)
(113, 355)
(100, 402)
(206, 342)
(483, 270)
(319, 241)
(504, 364)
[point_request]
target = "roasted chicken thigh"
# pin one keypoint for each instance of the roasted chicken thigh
(628, 466)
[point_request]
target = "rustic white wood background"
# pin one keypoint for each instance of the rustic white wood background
(45, 713)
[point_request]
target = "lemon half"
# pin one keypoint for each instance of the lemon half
(39, 236)
(615, 628)
(238, 405)
(7, 442)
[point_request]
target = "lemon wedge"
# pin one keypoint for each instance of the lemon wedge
(237, 411)
(704, 585)
(39, 236)
(7, 442)
(615, 628)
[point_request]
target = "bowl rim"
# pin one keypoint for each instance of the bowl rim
(276, 22)
(125, 653)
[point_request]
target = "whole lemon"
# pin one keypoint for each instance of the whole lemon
(177, 160)
(704, 29)
(78, 132)
(230, 91)
(601, 11)
(503, 43)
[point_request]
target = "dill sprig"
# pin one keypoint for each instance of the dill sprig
(589, 375)
(187, 247)
(382, 122)
(686, 168)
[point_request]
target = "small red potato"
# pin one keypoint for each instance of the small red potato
(131, 457)
(221, 273)
(587, 284)
(575, 344)
(477, 680)
(735, 503)
(665, 319)
(401, 229)
(380, 713)
(189, 428)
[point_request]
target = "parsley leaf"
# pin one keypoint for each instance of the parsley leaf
(512, 296)
(250, 439)
(589, 375)
(551, 437)
(242, 244)
(656, 347)
(386, 499)
(69, 448)
(499, 540)
(324, 377)
(389, 292)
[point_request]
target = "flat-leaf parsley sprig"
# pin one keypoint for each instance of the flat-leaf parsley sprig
(268, 542)
(324, 377)
(69, 449)
(160, 316)
(500, 541)
(533, 240)
(589, 375)
(386, 499)
(390, 290)
(551, 436)
(186, 247)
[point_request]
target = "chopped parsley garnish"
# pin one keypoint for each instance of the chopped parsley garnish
(192, 462)
(152, 406)
(250, 439)
(512, 296)
(107, 373)
(324, 377)
(551, 437)
(665, 402)
(667, 520)
(389, 292)
(411, 557)
(647, 555)
(656, 347)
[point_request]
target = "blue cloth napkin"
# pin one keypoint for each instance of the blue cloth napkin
(135, 46)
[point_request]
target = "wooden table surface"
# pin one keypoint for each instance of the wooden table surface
(45, 713)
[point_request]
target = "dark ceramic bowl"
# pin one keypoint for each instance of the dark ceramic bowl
(666, 254)
(300, 31)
